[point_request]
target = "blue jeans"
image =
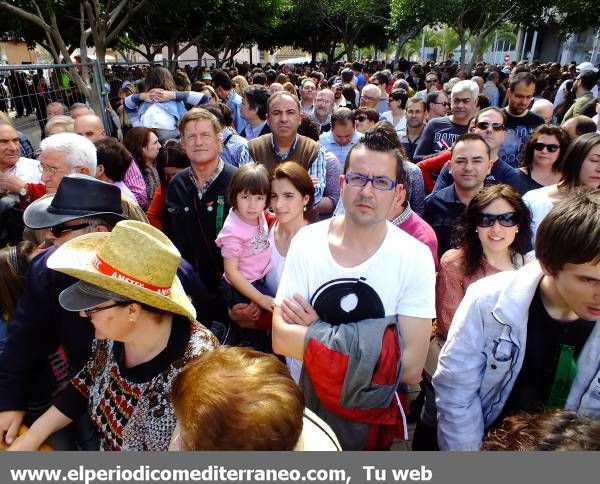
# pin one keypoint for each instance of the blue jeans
(232, 296)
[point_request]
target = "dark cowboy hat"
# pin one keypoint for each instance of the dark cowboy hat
(77, 196)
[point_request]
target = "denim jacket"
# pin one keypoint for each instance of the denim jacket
(484, 353)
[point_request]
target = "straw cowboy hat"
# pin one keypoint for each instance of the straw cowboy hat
(135, 261)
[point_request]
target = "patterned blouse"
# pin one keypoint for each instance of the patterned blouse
(131, 407)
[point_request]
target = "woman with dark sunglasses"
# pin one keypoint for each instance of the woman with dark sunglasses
(580, 167)
(365, 118)
(492, 236)
(541, 158)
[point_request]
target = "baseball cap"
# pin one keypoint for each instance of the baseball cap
(586, 66)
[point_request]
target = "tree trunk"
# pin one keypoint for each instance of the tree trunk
(476, 45)
(348, 50)
(101, 53)
(172, 53)
(199, 53)
(405, 37)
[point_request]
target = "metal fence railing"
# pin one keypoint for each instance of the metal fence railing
(26, 90)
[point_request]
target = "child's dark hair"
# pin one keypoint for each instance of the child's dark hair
(251, 178)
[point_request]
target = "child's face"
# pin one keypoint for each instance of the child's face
(249, 206)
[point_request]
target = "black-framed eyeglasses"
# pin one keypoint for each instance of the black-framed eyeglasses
(552, 148)
(361, 118)
(382, 183)
(508, 219)
(431, 80)
(485, 125)
(59, 230)
(89, 312)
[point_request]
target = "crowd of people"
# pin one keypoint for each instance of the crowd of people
(270, 257)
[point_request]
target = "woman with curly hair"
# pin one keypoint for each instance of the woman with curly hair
(493, 236)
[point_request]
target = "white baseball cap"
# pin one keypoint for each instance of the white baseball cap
(586, 66)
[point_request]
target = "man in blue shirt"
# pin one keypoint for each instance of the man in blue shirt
(342, 136)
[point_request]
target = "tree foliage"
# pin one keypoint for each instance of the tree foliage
(222, 27)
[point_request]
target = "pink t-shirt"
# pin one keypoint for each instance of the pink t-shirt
(249, 243)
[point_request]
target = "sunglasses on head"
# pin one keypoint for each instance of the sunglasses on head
(361, 118)
(61, 229)
(509, 219)
(484, 125)
(552, 148)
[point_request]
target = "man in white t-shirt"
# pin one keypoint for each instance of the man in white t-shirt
(358, 267)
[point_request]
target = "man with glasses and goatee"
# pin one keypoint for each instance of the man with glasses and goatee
(432, 80)
(489, 124)
(350, 285)
(437, 105)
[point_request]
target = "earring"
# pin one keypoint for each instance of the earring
(517, 231)
(305, 208)
(476, 230)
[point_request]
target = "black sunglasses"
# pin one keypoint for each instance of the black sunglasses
(361, 118)
(509, 219)
(486, 125)
(61, 229)
(552, 148)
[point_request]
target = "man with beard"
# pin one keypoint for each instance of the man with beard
(416, 111)
(520, 121)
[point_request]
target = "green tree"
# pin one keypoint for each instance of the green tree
(354, 22)
(408, 18)
(99, 24)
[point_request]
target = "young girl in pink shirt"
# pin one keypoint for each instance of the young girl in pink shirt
(244, 239)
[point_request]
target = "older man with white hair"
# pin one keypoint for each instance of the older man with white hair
(441, 133)
(63, 154)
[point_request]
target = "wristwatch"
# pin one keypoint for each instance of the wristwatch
(23, 191)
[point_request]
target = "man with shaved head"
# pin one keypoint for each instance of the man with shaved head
(90, 126)
(369, 97)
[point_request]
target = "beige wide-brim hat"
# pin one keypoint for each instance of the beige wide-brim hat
(135, 260)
